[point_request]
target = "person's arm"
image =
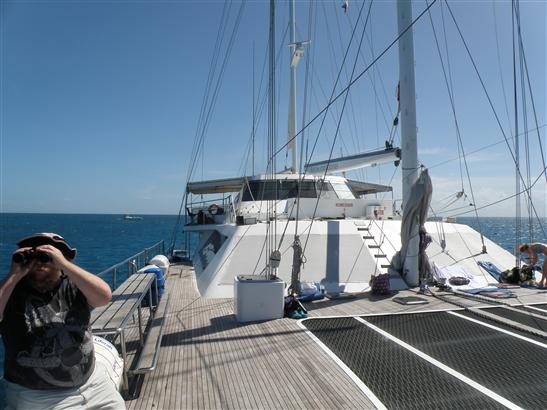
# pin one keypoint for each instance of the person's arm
(533, 254)
(17, 272)
(96, 290)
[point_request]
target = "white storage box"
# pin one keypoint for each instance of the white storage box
(258, 298)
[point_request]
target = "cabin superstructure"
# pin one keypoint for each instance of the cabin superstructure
(316, 197)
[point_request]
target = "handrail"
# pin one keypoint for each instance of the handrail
(135, 262)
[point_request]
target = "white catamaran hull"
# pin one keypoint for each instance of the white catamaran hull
(342, 255)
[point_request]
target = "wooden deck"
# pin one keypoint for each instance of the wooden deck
(209, 361)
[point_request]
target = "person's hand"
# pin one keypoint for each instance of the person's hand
(57, 257)
(21, 269)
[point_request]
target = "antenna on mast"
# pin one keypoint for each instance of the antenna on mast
(297, 52)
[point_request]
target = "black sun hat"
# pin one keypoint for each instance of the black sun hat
(48, 238)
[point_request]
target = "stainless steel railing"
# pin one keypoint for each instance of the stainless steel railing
(132, 264)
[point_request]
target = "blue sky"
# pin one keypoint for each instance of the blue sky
(100, 99)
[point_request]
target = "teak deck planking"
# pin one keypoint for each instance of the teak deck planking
(209, 361)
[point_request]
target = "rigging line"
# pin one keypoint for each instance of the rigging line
(212, 68)
(352, 130)
(532, 100)
(450, 86)
(488, 98)
(217, 86)
(301, 178)
(499, 63)
(510, 197)
(198, 141)
(517, 151)
(346, 53)
(339, 122)
(210, 78)
(311, 26)
(371, 77)
(481, 149)
(439, 227)
(456, 124)
(537, 128)
(524, 118)
(358, 77)
(257, 114)
(262, 98)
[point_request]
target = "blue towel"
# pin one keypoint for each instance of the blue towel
(491, 269)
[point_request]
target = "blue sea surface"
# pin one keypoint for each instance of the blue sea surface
(104, 240)
(101, 240)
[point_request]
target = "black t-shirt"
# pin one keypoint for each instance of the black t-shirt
(47, 337)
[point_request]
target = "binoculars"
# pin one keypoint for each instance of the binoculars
(25, 257)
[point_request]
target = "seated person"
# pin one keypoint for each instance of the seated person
(533, 250)
(45, 305)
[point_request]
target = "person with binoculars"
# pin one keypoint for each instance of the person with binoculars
(45, 308)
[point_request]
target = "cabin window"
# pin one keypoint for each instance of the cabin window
(266, 190)
(343, 191)
(210, 248)
(326, 190)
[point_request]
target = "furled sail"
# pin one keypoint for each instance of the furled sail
(415, 212)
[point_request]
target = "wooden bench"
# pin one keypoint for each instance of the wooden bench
(112, 318)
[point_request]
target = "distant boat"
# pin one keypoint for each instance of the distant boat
(449, 219)
(132, 218)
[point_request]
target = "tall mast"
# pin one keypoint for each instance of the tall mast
(408, 130)
(292, 94)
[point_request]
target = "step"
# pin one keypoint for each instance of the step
(380, 256)
(362, 229)
(374, 246)
(368, 237)
(385, 266)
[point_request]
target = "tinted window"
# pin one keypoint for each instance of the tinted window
(210, 248)
(326, 191)
(266, 190)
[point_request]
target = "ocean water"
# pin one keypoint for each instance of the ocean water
(104, 240)
(101, 240)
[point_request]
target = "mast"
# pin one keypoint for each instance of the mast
(292, 93)
(408, 130)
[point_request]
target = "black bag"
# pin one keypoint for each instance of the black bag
(510, 275)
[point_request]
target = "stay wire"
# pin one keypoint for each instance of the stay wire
(358, 77)
(489, 101)
(457, 126)
(450, 87)
(194, 154)
(301, 179)
(510, 197)
(516, 7)
(337, 133)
